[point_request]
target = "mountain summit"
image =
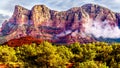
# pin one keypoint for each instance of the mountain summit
(78, 24)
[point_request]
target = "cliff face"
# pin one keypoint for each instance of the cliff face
(99, 13)
(20, 15)
(65, 26)
(40, 14)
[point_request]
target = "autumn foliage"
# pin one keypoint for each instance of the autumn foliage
(23, 40)
(48, 55)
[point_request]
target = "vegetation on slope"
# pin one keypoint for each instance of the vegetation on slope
(48, 55)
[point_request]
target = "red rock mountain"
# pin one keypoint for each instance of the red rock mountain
(61, 27)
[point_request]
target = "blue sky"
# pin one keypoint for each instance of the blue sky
(7, 6)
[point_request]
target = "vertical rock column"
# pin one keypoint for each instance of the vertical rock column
(40, 14)
(21, 15)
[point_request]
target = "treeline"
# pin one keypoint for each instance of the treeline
(48, 55)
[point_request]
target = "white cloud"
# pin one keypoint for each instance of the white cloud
(8, 5)
(5, 12)
(117, 1)
(3, 18)
(101, 29)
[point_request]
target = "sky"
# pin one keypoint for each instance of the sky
(7, 6)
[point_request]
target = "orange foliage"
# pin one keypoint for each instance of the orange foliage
(69, 65)
(22, 40)
(3, 66)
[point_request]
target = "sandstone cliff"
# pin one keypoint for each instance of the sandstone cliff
(65, 26)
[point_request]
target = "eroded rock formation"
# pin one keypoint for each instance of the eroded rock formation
(65, 26)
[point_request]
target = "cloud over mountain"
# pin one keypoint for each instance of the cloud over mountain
(7, 6)
(3, 18)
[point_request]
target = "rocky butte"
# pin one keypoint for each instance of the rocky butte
(73, 25)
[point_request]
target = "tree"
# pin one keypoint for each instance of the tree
(65, 53)
(7, 54)
(89, 64)
(47, 56)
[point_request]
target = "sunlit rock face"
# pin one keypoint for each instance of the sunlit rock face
(78, 24)
(40, 14)
(20, 15)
